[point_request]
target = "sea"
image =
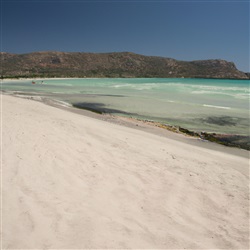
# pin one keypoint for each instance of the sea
(209, 105)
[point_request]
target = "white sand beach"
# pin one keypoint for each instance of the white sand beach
(75, 182)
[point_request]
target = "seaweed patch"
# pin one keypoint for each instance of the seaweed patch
(222, 120)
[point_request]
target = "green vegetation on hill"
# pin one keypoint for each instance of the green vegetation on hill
(122, 64)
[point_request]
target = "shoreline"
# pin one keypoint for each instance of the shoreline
(174, 132)
(65, 78)
(229, 140)
(40, 78)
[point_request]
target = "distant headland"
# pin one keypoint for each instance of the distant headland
(116, 64)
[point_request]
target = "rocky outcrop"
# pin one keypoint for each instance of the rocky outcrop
(248, 75)
(122, 64)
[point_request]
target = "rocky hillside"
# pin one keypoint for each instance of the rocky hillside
(122, 64)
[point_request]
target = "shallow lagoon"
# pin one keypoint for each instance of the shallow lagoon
(212, 105)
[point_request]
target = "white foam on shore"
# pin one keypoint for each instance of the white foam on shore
(62, 103)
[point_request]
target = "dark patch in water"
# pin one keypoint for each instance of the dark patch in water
(222, 120)
(111, 95)
(99, 108)
(83, 93)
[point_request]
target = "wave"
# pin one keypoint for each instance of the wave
(187, 87)
(60, 84)
(200, 92)
(217, 107)
(234, 95)
(120, 85)
(146, 86)
(209, 87)
(207, 92)
(224, 88)
(242, 96)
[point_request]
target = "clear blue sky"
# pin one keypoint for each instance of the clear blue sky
(184, 30)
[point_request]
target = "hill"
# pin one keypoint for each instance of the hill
(119, 64)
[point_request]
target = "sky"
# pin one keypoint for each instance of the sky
(181, 29)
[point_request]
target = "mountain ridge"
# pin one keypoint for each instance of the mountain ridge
(112, 64)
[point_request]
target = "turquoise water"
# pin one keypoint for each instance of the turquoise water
(211, 105)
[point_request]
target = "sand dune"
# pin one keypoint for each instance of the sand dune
(75, 182)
